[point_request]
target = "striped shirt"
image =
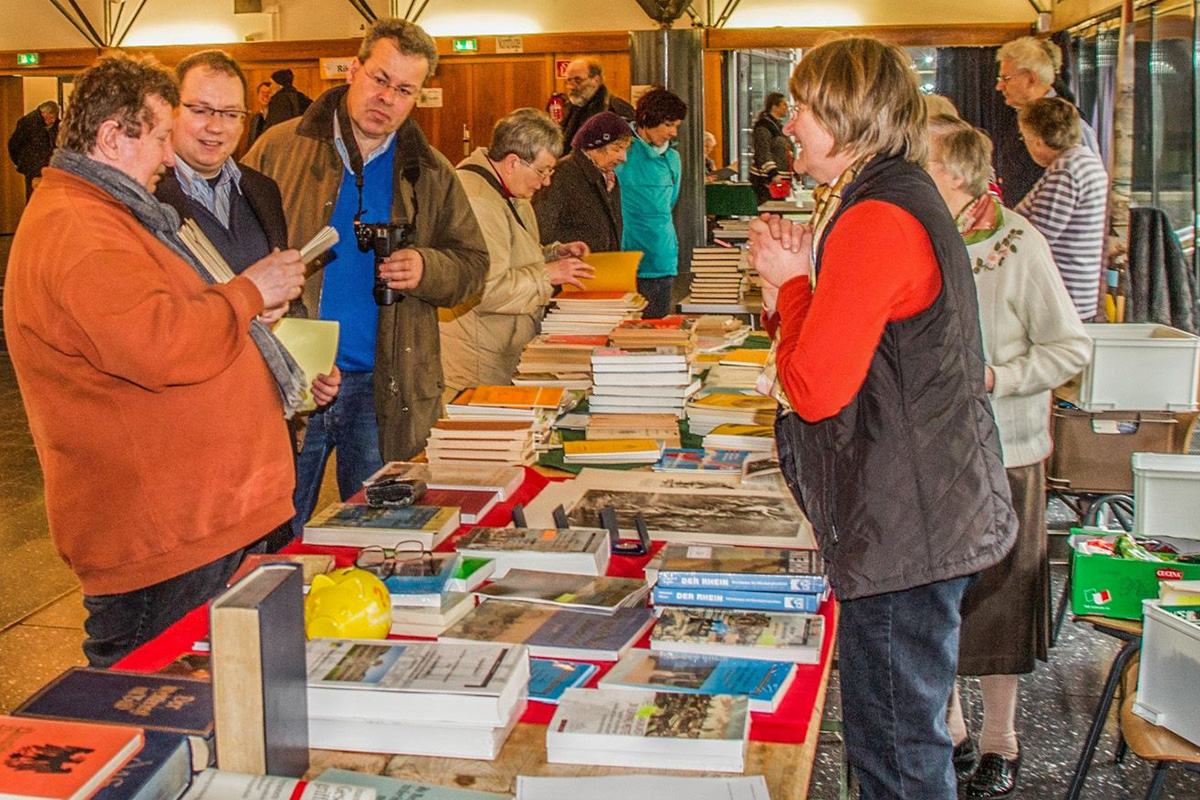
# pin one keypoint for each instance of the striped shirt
(1067, 205)
(213, 195)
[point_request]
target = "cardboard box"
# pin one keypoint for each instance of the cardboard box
(1092, 450)
(1107, 586)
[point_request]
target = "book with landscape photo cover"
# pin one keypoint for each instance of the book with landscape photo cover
(582, 551)
(741, 634)
(755, 569)
(59, 760)
(553, 632)
(599, 593)
(356, 525)
(549, 678)
(764, 682)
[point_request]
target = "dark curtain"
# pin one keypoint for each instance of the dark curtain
(967, 75)
(1162, 287)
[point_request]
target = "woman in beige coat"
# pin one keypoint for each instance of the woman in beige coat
(482, 338)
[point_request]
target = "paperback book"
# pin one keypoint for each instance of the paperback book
(354, 525)
(803, 602)
(608, 787)
(161, 769)
(388, 788)
(580, 551)
(764, 682)
(218, 784)
(753, 569)
(581, 592)
(740, 634)
(467, 475)
(549, 678)
(429, 622)
(552, 632)
(59, 760)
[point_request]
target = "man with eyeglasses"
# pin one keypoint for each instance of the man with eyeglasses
(589, 96)
(1028, 68)
(357, 156)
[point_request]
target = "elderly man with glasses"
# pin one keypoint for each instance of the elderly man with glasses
(1027, 71)
(589, 96)
(358, 161)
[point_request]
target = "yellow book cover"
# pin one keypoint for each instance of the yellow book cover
(313, 343)
(516, 396)
(742, 402)
(744, 357)
(594, 447)
(736, 429)
(615, 272)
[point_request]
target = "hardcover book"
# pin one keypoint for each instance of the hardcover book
(804, 602)
(764, 682)
(53, 760)
(474, 684)
(740, 634)
(663, 730)
(553, 632)
(161, 770)
(257, 633)
(753, 569)
(354, 525)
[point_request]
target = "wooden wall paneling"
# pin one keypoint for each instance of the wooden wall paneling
(615, 65)
(501, 86)
(714, 101)
(443, 126)
(12, 183)
(974, 35)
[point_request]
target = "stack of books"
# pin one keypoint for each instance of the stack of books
(740, 634)
(495, 440)
(718, 332)
(740, 436)
(591, 313)
(717, 274)
(673, 331)
(478, 476)
(764, 683)
(559, 360)
(641, 381)
(659, 427)
(578, 551)
(538, 406)
(732, 229)
(656, 730)
(427, 698)
(748, 578)
(706, 412)
(612, 451)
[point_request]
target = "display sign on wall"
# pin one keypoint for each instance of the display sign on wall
(32, 59)
(510, 44)
(560, 67)
(465, 45)
(430, 97)
(333, 69)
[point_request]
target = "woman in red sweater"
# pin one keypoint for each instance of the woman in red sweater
(885, 433)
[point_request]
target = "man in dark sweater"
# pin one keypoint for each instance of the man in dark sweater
(589, 96)
(32, 142)
(239, 209)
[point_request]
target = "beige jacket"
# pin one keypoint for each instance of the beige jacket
(300, 155)
(482, 338)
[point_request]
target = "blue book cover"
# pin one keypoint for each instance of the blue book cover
(749, 569)
(552, 632)
(747, 582)
(160, 771)
(764, 682)
(805, 602)
(581, 631)
(395, 789)
(426, 574)
(549, 678)
(690, 459)
(150, 701)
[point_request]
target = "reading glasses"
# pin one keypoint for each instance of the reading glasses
(384, 563)
(224, 114)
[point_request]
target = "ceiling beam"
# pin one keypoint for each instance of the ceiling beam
(93, 40)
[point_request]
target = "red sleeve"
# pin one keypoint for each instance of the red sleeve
(878, 267)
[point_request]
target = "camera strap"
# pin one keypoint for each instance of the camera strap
(494, 182)
(411, 168)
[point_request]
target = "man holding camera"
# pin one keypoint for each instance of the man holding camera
(155, 401)
(356, 161)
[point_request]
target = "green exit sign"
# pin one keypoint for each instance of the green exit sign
(27, 59)
(466, 45)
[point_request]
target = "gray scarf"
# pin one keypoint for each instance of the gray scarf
(163, 221)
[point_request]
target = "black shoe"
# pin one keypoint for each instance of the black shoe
(996, 776)
(966, 759)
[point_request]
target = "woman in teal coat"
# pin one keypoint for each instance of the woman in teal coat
(649, 188)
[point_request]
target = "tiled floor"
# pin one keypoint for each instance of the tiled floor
(41, 627)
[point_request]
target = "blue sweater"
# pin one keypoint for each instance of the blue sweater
(649, 190)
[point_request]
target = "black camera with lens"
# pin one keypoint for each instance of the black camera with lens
(383, 238)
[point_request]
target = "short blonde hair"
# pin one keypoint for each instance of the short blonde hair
(1042, 57)
(936, 104)
(1055, 121)
(965, 153)
(864, 92)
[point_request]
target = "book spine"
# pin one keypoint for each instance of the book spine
(754, 601)
(808, 584)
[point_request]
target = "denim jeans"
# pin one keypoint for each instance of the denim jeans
(118, 624)
(348, 425)
(657, 292)
(897, 656)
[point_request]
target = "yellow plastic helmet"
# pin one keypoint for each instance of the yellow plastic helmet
(347, 603)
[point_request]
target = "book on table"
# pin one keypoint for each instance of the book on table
(219, 784)
(739, 634)
(435, 682)
(693, 459)
(420, 581)
(42, 759)
(443, 740)
(389, 788)
(258, 673)
(657, 730)
(472, 504)
(763, 682)
(783, 602)
(429, 621)
(170, 703)
(581, 592)
(549, 678)
(470, 573)
(161, 770)
(552, 632)
(754, 569)
(355, 525)
(311, 564)
(611, 451)
(608, 787)
(580, 551)
(470, 476)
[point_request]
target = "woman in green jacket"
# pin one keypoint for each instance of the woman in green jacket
(649, 188)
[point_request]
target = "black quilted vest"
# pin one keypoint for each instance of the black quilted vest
(905, 486)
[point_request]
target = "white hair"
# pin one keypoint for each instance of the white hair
(1042, 57)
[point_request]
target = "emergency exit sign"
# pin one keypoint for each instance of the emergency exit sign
(466, 45)
(27, 59)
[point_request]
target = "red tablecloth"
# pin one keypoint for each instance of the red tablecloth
(789, 724)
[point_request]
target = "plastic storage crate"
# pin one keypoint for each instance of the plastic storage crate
(1169, 673)
(1140, 367)
(1166, 495)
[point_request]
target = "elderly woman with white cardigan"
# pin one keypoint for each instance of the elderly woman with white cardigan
(1033, 341)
